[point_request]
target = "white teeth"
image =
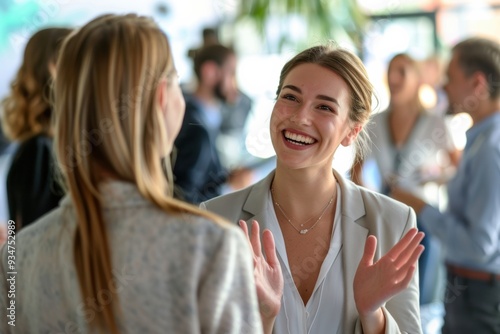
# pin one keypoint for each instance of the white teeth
(300, 139)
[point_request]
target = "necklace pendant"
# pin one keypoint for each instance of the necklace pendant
(304, 231)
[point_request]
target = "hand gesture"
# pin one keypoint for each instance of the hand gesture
(267, 271)
(376, 283)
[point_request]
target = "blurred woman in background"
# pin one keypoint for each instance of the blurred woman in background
(408, 142)
(27, 118)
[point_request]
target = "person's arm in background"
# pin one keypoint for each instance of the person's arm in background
(454, 154)
(474, 235)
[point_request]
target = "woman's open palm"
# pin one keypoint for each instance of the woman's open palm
(376, 283)
(267, 270)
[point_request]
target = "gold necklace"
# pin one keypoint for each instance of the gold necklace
(304, 230)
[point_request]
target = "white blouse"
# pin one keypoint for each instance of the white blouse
(324, 310)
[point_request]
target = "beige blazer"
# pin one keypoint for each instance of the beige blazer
(364, 213)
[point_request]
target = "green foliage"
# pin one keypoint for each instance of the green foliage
(324, 18)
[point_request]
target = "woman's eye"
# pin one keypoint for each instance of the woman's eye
(289, 97)
(325, 107)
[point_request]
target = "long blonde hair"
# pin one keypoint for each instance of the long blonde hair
(26, 111)
(108, 118)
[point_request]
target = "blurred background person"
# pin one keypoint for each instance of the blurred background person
(27, 118)
(199, 173)
(407, 143)
(469, 230)
(432, 74)
(7, 150)
(235, 110)
(4, 142)
(120, 255)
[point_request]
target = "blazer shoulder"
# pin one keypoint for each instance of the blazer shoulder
(393, 214)
(242, 204)
(373, 198)
(229, 206)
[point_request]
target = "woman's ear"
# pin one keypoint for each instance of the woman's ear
(480, 84)
(352, 134)
(161, 94)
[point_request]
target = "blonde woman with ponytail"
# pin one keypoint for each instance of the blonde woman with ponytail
(120, 255)
(346, 256)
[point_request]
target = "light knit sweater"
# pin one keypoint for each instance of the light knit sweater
(173, 274)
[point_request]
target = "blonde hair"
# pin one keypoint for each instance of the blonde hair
(350, 68)
(108, 118)
(26, 110)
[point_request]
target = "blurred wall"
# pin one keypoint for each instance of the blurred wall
(181, 20)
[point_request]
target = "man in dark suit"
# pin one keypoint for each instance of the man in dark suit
(199, 174)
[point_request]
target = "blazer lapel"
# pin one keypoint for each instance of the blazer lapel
(353, 241)
(255, 209)
(255, 204)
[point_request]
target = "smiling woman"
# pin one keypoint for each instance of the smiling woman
(314, 277)
(311, 116)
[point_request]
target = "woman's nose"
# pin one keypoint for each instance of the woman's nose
(301, 116)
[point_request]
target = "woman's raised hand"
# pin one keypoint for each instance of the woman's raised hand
(376, 283)
(267, 272)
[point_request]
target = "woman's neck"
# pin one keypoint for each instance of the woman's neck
(206, 95)
(303, 192)
(401, 123)
(405, 110)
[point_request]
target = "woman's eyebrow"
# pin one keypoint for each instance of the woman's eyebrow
(321, 96)
(328, 98)
(292, 87)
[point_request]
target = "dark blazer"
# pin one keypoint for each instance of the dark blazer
(4, 142)
(32, 189)
(198, 172)
(363, 213)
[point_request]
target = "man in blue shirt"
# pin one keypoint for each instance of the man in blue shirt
(470, 229)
